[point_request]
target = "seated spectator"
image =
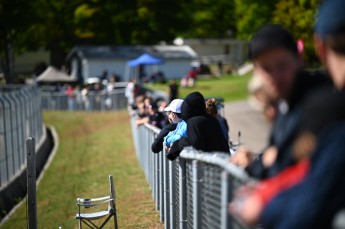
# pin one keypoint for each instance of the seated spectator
(211, 109)
(203, 133)
(174, 114)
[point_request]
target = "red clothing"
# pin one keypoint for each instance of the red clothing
(289, 177)
(192, 74)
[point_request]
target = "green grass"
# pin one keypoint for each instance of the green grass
(92, 146)
(229, 87)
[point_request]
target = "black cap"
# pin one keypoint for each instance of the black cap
(331, 18)
(269, 37)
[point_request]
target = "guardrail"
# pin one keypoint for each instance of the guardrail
(192, 191)
(93, 101)
(20, 118)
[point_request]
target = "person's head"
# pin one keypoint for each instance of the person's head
(211, 107)
(152, 108)
(193, 105)
(260, 98)
(174, 110)
(330, 39)
(275, 57)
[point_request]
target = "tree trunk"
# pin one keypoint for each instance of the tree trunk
(57, 55)
(7, 63)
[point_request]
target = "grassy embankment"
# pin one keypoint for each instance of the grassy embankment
(92, 146)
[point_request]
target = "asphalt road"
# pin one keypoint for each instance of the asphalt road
(255, 129)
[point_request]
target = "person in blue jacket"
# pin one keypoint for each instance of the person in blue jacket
(174, 115)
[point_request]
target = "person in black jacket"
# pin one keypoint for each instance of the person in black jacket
(204, 132)
(276, 61)
(157, 145)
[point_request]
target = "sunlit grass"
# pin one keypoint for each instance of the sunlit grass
(229, 87)
(92, 146)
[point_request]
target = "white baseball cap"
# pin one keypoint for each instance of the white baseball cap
(174, 106)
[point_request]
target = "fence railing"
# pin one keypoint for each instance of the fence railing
(193, 191)
(92, 101)
(20, 118)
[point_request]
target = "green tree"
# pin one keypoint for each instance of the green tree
(15, 17)
(211, 19)
(251, 14)
(298, 17)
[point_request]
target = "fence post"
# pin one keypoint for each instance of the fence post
(182, 193)
(196, 195)
(31, 183)
(172, 193)
(161, 186)
(166, 190)
(225, 198)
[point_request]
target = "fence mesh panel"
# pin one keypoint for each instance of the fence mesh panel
(205, 192)
(189, 178)
(210, 196)
(177, 192)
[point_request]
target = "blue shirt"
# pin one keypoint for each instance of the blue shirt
(179, 132)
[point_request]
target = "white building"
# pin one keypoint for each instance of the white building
(230, 51)
(91, 61)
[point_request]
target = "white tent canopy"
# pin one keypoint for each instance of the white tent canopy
(53, 75)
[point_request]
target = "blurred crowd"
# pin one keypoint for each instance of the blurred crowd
(193, 121)
(84, 97)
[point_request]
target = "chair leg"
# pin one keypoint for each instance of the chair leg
(91, 224)
(80, 224)
(115, 220)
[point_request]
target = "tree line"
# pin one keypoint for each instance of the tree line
(59, 25)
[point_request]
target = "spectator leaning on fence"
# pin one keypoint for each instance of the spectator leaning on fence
(174, 114)
(157, 145)
(211, 109)
(276, 61)
(203, 133)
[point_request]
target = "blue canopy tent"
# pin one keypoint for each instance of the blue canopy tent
(145, 59)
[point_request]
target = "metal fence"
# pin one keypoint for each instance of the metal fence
(92, 101)
(20, 117)
(194, 190)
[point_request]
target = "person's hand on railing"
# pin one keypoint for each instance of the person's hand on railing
(242, 158)
(269, 156)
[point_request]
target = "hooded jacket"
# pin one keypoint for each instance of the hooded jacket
(157, 145)
(204, 132)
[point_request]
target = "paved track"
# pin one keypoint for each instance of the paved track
(252, 124)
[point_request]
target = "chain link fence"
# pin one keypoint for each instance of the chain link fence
(20, 118)
(194, 190)
(92, 101)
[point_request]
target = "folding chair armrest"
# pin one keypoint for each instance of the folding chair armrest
(93, 199)
(93, 202)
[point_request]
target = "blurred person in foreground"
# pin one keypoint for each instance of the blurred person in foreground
(276, 61)
(174, 114)
(315, 197)
(203, 131)
(211, 109)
